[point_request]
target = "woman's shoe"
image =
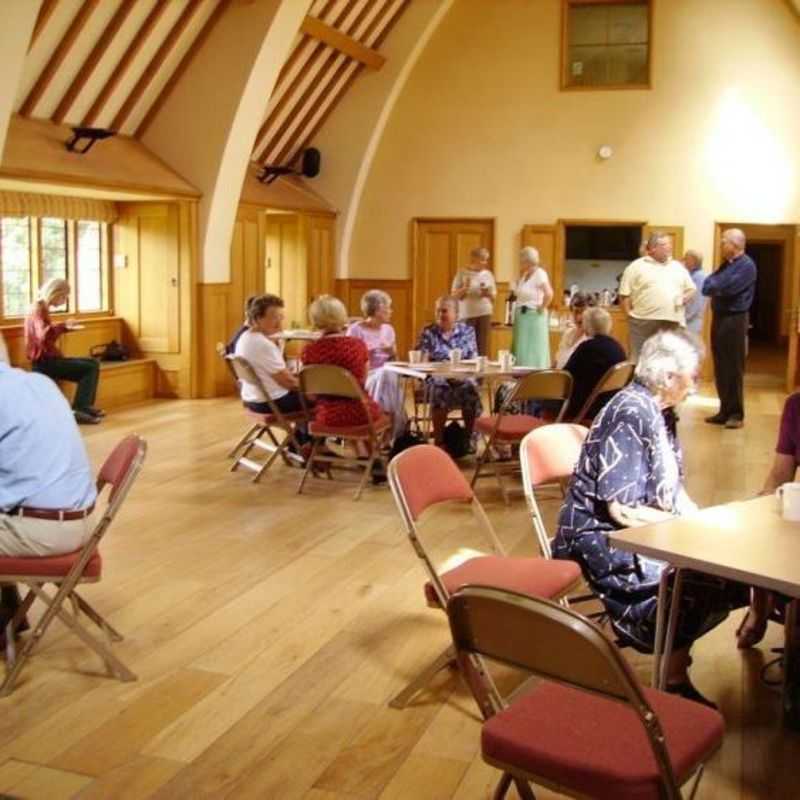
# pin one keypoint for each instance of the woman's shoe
(95, 412)
(749, 636)
(85, 418)
(687, 690)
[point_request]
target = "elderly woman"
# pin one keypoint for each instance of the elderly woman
(531, 334)
(574, 334)
(328, 315)
(476, 291)
(629, 474)
(591, 359)
(41, 337)
(438, 341)
(379, 337)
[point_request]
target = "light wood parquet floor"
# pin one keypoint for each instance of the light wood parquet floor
(268, 632)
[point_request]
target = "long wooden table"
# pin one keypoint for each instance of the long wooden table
(746, 541)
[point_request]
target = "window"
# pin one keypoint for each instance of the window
(35, 249)
(606, 44)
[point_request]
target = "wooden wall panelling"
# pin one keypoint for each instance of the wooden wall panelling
(285, 266)
(320, 254)
(220, 316)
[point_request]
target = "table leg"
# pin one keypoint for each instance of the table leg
(672, 624)
(661, 611)
(791, 671)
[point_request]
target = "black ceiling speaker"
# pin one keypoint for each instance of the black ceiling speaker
(91, 135)
(309, 167)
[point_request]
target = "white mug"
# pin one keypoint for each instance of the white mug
(506, 359)
(455, 355)
(789, 497)
(414, 356)
(481, 363)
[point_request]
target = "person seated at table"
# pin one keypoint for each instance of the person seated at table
(329, 315)
(573, 334)
(438, 341)
(265, 319)
(41, 337)
(230, 347)
(630, 473)
(47, 491)
(784, 467)
(379, 337)
(590, 360)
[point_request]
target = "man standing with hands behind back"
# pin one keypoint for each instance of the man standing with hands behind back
(732, 289)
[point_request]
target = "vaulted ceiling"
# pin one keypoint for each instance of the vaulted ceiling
(113, 63)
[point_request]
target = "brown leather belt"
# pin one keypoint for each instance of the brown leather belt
(49, 513)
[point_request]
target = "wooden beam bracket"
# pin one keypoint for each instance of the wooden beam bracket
(345, 44)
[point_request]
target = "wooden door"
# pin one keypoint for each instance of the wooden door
(147, 291)
(549, 241)
(320, 255)
(440, 247)
(285, 272)
(793, 287)
(247, 256)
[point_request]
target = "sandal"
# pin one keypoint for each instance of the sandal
(747, 637)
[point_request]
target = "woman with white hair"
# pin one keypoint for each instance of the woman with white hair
(630, 473)
(591, 359)
(379, 337)
(476, 291)
(531, 334)
(41, 346)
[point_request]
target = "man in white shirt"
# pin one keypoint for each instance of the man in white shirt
(265, 319)
(653, 292)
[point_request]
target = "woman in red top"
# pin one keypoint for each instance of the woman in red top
(329, 315)
(41, 337)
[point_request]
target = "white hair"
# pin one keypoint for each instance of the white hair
(480, 254)
(372, 300)
(529, 255)
(596, 321)
(666, 354)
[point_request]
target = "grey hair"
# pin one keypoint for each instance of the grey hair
(666, 354)
(480, 253)
(736, 237)
(447, 299)
(696, 255)
(596, 321)
(529, 255)
(372, 300)
(655, 237)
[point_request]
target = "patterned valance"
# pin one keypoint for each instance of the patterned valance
(29, 204)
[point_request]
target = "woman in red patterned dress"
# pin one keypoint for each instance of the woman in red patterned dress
(329, 315)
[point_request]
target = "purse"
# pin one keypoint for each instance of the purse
(112, 351)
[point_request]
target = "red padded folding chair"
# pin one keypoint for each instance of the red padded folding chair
(424, 476)
(67, 571)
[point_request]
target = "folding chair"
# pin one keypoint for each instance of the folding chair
(509, 429)
(222, 353)
(616, 378)
(589, 729)
(67, 571)
(263, 424)
(424, 476)
(333, 381)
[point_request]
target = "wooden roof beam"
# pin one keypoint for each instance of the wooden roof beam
(342, 42)
(45, 12)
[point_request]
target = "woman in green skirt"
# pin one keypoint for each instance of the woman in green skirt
(531, 338)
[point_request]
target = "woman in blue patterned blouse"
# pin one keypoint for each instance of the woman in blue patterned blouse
(438, 341)
(630, 473)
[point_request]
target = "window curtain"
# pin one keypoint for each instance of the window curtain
(28, 204)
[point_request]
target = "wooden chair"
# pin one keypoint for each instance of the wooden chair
(615, 379)
(333, 381)
(118, 472)
(509, 429)
(265, 425)
(589, 729)
(425, 476)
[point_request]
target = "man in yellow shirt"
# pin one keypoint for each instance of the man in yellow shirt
(654, 291)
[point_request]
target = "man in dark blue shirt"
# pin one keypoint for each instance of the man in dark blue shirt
(731, 288)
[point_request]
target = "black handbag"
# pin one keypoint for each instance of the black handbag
(112, 351)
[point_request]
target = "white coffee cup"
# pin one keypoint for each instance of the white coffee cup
(789, 497)
(481, 363)
(415, 356)
(506, 359)
(455, 355)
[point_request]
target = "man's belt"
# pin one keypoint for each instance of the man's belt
(49, 513)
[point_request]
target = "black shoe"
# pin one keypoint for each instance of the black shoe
(378, 473)
(733, 423)
(717, 419)
(687, 690)
(95, 412)
(85, 418)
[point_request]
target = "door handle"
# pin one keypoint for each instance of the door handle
(173, 282)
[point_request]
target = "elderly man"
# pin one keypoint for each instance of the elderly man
(653, 292)
(47, 491)
(696, 307)
(731, 289)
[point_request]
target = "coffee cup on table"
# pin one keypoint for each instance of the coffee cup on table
(455, 355)
(789, 498)
(415, 356)
(481, 363)
(506, 359)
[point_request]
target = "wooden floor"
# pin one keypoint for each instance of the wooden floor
(268, 632)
